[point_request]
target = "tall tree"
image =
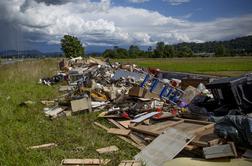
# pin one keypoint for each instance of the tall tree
(134, 51)
(71, 46)
(169, 51)
(159, 50)
(220, 50)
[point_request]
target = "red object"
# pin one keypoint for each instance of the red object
(125, 115)
(174, 112)
(159, 114)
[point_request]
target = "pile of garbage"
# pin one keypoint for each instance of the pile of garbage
(164, 118)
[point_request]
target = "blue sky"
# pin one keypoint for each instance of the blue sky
(200, 10)
(99, 24)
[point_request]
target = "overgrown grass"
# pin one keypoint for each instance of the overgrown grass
(22, 127)
(227, 66)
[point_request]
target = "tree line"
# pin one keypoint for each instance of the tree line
(242, 46)
(236, 47)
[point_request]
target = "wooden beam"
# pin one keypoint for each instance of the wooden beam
(85, 161)
(116, 131)
(108, 149)
(121, 137)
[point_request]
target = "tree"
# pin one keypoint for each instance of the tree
(134, 51)
(220, 50)
(169, 51)
(159, 51)
(184, 51)
(71, 46)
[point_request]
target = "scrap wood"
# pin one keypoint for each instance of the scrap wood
(85, 161)
(116, 123)
(130, 163)
(116, 131)
(165, 147)
(137, 140)
(218, 151)
(43, 146)
(131, 136)
(125, 123)
(206, 138)
(108, 149)
(121, 137)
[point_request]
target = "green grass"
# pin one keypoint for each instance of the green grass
(227, 66)
(22, 127)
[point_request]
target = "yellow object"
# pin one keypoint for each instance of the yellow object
(98, 96)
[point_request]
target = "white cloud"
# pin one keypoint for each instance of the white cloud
(138, 1)
(99, 23)
(177, 2)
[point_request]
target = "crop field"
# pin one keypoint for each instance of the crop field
(223, 66)
(76, 136)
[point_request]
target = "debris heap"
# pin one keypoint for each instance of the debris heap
(161, 116)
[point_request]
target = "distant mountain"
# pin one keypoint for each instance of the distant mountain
(235, 46)
(28, 54)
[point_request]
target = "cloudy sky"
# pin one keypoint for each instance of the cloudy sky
(40, 24)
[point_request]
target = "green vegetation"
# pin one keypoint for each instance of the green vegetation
(226, 66)
(22, 127)
(236, 47)
(71, 46)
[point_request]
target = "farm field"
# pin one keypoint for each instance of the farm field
(222, 66)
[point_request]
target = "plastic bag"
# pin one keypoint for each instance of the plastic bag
(238, 128)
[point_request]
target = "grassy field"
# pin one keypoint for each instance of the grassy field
(226, 66)
(26, 126)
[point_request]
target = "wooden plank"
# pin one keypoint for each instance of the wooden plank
(144, 129)
(197, 122)
(219, 151)
(165, 147)
(101, 126)
(130, 163)
(144, 117)
(121, 137)
(125, 123)
(85, 161)
(122, 132)
(116, 123)
(137, 140)
(108, 149)
(198, 130)
(43, 146)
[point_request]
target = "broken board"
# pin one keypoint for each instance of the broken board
(165, 147)
(186, 125)
(218, 151)
(108, 149)
(130, 163)
(122, 132)
(85, 161)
